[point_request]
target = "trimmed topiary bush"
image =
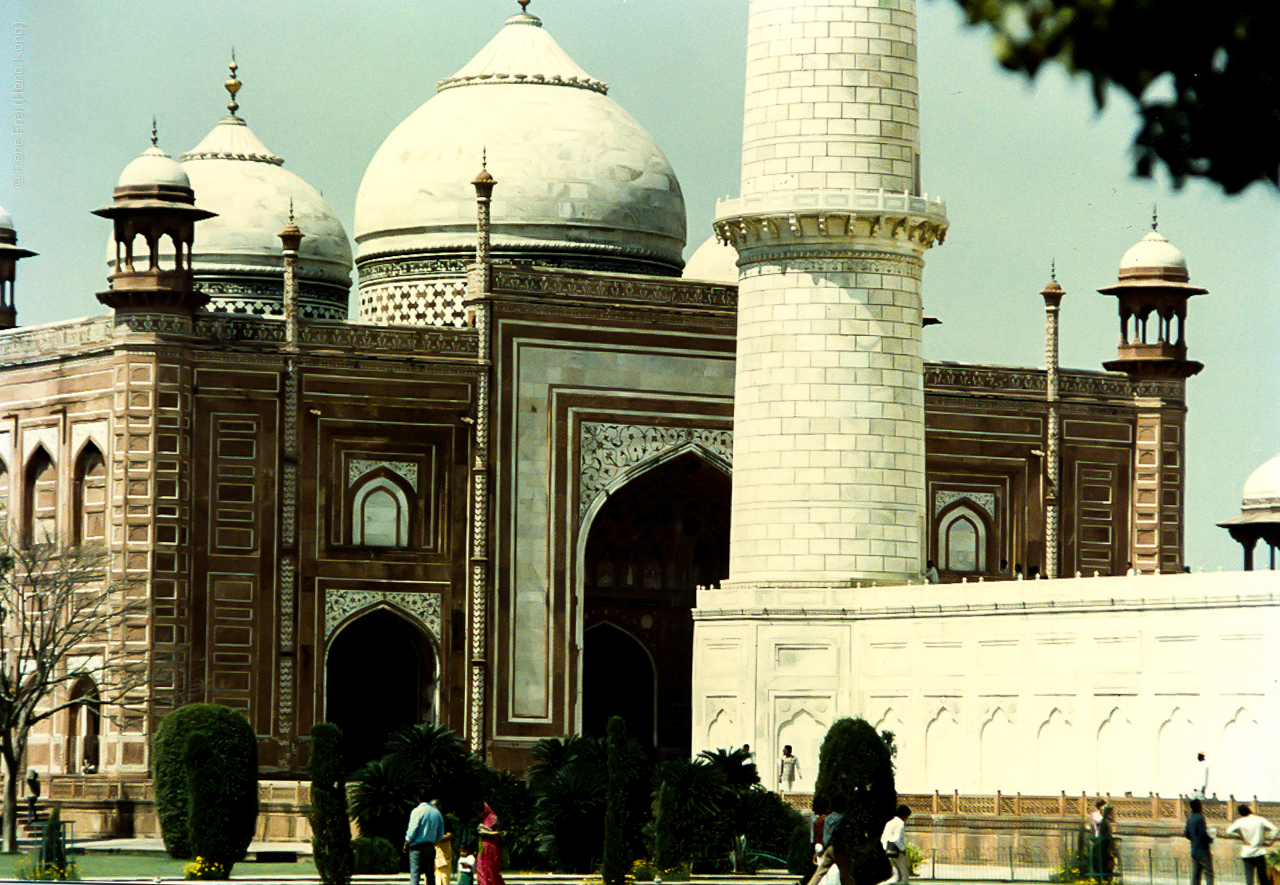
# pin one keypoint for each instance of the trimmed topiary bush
(855, 776)
(374, 857)
(330, 828)
(211, 783)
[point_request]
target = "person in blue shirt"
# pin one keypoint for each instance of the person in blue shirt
(426, 828)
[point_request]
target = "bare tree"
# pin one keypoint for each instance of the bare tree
(64, 619)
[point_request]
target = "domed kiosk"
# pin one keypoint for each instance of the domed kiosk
(236, 258)
(581, 185)
(1259, 518)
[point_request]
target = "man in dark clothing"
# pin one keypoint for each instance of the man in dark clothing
(1201, 845)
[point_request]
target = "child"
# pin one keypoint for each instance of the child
(466, 864)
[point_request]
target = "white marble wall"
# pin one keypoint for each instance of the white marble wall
(1098, 685)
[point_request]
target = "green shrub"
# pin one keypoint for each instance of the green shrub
(855, 773)
(330, 827)
(374, 857)
(769, 826)
(688, 814)
(47, 860)
(386, 791)
(222, 791)
(230, 739)
(617, 859)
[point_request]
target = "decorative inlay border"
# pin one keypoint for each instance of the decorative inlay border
(342, 604)
(407, 469)
(609, 450)
(985, 500)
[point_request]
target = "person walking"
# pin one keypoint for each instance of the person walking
(1107, 852)
(824, 848)
(426, 828)
(788, 770)
(1201, 845)
(1202, 788)
(489, 863)
(1256, 832)
(894, 841)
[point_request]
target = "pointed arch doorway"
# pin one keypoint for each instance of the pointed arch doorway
(652, 543)
(380, 674)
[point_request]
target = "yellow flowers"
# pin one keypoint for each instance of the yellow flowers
(206, 869)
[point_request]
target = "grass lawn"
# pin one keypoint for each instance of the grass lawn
(149, 866)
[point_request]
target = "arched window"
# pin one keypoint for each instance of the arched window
(4, 500)
(380, 514)
(962, 539)
(84, 726)
(41, 493)
(90, 513)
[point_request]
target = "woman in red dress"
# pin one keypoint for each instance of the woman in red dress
(489, 863)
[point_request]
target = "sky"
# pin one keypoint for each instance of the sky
(1031, 174)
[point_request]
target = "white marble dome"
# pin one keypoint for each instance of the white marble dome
(153, 168)
(6, 221)
(237, 255)
(579, 181)
(714, 262)
(1262, 488)
(1153, 252)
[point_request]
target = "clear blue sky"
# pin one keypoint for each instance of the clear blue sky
(1029, 172)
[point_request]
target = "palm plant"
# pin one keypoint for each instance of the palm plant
(689, 811)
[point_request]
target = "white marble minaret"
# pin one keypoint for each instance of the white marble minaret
(828, 463)
(831, 231)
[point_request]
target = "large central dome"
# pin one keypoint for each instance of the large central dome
(580, 183)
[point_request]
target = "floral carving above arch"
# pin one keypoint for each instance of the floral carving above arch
(610, 450)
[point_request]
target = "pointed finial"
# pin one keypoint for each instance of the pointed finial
(1154, 219)
(524, 5)
(291, 210)
(484, 151)
(155, 136)
(233, 84)
(1053, 269)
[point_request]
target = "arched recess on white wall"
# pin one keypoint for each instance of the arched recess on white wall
(1233, 773)
(1175, 758)
(1056, 747)
(1118, 763)
(996, 768)
(804, 732)
(944, 763)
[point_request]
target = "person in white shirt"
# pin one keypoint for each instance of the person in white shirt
(1202, 789)
(788, 769)
(894, 841)
(1256, 832)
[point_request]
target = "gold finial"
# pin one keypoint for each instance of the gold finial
(524, 6)
(484, 151)
(233, 84)
(155, 136)
(1053, 269)
(291, 210)
(1154, 219)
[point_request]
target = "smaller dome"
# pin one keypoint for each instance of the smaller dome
(714, 262)
(153, 168)
(1262, 488)
(1153, 252)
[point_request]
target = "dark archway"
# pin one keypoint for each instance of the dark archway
(618, 680)
(650, 546)
(380, 674)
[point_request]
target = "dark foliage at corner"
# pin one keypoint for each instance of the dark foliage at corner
(330, 826)
(384, 795)
(228, 751)
(770, 826)
(1218, 117)
(855, 775)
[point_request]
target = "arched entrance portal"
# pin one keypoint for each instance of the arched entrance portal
(652, 543)
(380, 674)
(618, 681)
